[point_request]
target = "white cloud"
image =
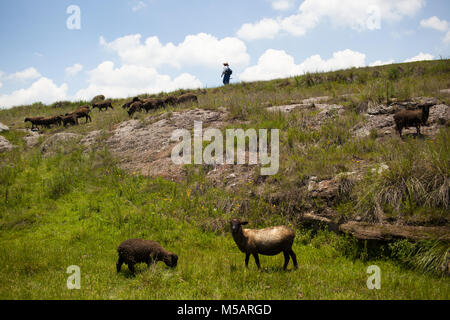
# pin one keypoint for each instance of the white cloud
(43, 90)
(447, 37)
(27, 74)
(278, 64)
(196, 50)
(420, 57)
(381, 63)
(140, 5)
(282, 5)
(358, 15)
(435, 23)
(1, 84)
(74, 70)
(130, 80)
(266, 28)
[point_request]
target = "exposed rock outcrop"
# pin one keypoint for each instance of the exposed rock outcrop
(5, 145)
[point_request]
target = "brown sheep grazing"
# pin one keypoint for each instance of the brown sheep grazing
(187, 97)
(152, 104)
(170, 100)
(98, 99)
(269, 242)
(81, 112)
(69, 119)
(48, 121)
(34, 122)
(135, 107)
(102, 105)
(412, 118)
(127, 105)
(135, 251)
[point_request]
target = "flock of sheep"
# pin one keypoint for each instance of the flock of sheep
(138, 104)
(135, 105)
(270, 241)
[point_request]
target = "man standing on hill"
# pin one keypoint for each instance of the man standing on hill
(226, 74)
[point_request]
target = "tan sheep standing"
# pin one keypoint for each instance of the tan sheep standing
(270, 242)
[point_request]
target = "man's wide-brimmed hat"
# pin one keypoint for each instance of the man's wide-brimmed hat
(225, 64)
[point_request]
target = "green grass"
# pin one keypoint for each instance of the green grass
(74, 208)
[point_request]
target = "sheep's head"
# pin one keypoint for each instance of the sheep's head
(171, 260)
(236, 225)
(425, 111)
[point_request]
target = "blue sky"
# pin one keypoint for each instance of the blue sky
(42, 60)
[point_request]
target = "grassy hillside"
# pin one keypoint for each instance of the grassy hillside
(75, 207)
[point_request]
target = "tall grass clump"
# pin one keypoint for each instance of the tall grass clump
(417, 179)
(430, 256)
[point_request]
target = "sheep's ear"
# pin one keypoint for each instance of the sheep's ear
(244, 223)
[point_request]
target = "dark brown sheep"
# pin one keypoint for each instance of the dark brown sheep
(103, 105)
(48, 121)
(412, 118)
(98, 99)
(269, 242)
(69, 119)
(187, 97)
(170, 100)
(127, 105)
(81, 112)
(152, 104)
(135, 251)
(34, 122)
(135, 107)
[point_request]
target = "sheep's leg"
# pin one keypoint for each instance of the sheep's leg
(399, 129)
(255, 255)
(131, 267)
(119, 264)
(294, 258)
(286, 259)
(247, 258)
(418, 130)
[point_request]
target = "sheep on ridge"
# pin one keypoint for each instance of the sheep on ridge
(170, 100)
(412, 118)
(69, 119)
(269, 241)
(127, 105)
(135, 107)
(152, 104)
(135, 251)
(81, 112)
(34, 122)
(103, 105)
(48, 121)
(98, 99)
(187, 97)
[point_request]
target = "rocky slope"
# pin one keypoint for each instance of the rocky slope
(144, 147)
